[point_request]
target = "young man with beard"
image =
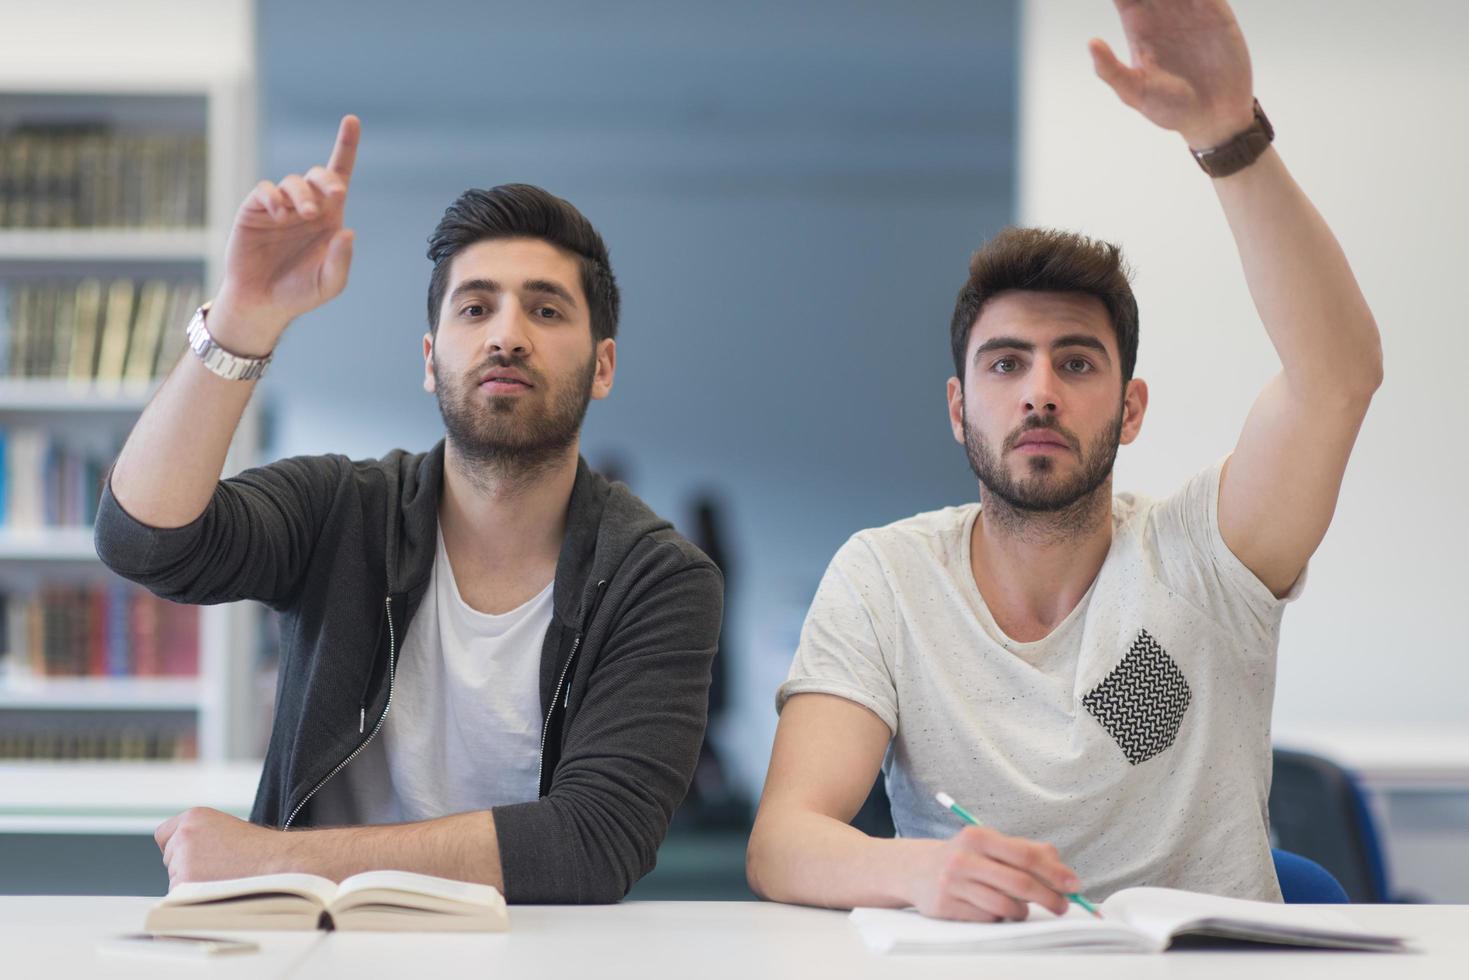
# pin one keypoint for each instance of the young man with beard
(1090, 675)
(494, 663)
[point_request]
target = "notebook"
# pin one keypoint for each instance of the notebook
(1134, 920)
(385, 901)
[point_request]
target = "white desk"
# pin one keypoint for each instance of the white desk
(55, 937)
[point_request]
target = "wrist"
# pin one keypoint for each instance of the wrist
(911, 865)
(243, 329)
(1239, 151)
(297, 851)
(1218, 130)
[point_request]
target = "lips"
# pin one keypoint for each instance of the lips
(505, 378)
(1042, 439)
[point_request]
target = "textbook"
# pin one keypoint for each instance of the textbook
(383, 901)
(1134, 920)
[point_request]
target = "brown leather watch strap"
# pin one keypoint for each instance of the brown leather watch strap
(1241, 151)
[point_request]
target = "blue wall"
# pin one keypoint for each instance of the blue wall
(790, 196)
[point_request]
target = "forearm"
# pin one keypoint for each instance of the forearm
(1302, 286)
(173, 458)
(810, 859)
(463, 846)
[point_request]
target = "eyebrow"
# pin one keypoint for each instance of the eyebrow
(543, 286)
(1015, 343)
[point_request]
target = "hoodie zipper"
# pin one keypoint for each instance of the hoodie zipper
(565, 669)
(362, 717)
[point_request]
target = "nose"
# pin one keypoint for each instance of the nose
(1040, 394)
(505, 333)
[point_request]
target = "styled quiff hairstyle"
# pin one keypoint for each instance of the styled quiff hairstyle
(1042, 260)
(524, 211)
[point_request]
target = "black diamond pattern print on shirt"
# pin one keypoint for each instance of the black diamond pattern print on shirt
(1142, 701)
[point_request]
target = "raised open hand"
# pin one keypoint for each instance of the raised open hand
(1190, 68)
(288, 252)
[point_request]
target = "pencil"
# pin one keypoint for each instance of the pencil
(947, 801)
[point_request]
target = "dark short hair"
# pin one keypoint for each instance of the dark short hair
(524, 211)
(1044, 260)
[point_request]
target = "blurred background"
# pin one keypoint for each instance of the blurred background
(790, 193)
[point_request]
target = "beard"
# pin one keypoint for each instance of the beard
(1041, 497)
(514, 436)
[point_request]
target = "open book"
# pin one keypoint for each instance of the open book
(387, 901)
(1134, 920)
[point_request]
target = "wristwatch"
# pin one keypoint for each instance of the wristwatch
(231, 367)
(1241, 151)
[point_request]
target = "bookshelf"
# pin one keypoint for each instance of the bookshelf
(117, 186)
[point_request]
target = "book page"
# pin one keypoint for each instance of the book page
(1161, 913)
(463, 892)
(909, 931)
(312, 887)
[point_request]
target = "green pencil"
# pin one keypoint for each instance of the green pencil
(947, 801)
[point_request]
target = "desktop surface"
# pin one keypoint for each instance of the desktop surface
(57, 936)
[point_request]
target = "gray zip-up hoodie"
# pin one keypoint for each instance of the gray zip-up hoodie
(343, 550)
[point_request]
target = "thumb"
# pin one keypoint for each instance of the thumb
(165, 831)
(1125, 81)
(338, 260)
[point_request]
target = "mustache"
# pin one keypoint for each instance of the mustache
(1040, 422)
(504, 361)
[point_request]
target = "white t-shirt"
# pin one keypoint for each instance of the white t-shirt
(464, 729)
(1135, 737)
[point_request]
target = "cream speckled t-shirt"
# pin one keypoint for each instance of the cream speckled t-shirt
(1135, 737)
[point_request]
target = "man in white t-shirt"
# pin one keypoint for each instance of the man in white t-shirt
(1090, 675)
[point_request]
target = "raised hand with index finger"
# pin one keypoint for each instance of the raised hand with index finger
(288, 252)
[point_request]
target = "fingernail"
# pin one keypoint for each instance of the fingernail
(1073, 883)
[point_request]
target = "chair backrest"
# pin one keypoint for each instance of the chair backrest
(1303, 881)
(1319, 812)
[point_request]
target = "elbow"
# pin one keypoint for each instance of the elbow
(1370, 375)
(758, 866)
(752, 870)
(1376, 375)
(605, 892)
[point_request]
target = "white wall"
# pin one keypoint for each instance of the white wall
(790, 193)
(1368, 101)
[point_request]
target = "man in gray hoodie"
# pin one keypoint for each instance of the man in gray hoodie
(494, 663)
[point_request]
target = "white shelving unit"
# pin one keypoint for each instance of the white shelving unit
(103, 245)
(199, 57)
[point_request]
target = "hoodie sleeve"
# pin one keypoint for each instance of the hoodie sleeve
(629, 754)
(253, 540)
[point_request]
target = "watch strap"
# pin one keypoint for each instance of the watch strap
(231, 367)
(1239, 152)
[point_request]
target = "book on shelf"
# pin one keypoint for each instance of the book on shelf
(184, 300)
(380, 901)
(85, 330)
(52, 479)
(46, 736)
(113, 630)
(88, 316)
(1134, 920)
(112, 348)
(148, 325)
(89, 174)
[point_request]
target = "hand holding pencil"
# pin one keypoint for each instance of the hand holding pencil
(947, 801)
(982, 875)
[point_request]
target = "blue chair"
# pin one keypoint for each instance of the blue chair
(1303, 881)
(1319, 812)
